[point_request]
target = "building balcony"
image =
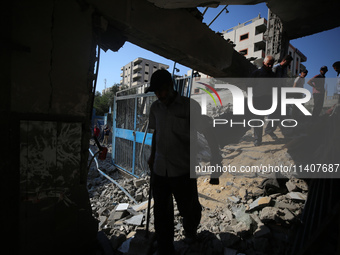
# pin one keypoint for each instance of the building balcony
(137, 61)
(137, 75)
(259, 38)
(137, 67)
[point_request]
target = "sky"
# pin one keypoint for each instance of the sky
(320, 49)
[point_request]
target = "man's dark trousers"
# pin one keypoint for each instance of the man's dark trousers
(318, 103)
(185, 192)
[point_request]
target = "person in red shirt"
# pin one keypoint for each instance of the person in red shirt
(96, 131)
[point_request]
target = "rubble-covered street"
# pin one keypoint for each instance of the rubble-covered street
(244, 214)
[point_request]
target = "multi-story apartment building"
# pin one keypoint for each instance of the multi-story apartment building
(139, 71)
(249, 40)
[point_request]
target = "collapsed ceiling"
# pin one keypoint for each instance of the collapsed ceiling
(151, 25)
(300, 18)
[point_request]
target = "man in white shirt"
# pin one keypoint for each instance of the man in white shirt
(336, 66)
(299, 82)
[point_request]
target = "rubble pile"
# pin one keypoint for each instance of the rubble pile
(248, 222)
(253, 223)
(241, 215)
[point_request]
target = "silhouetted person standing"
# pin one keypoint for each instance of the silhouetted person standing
(280, 71)
(318, 84)
(175, 120)
(262, 94)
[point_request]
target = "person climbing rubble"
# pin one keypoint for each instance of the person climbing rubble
(170, 160)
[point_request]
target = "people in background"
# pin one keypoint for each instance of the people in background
(318, 84)
(336, 66)
(299, 82)
(262, 94)
(280, 70)
(106, 134)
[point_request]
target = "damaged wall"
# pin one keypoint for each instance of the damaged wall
(50, 57)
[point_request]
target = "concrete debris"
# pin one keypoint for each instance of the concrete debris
(135, 220)
(297, 196)
(233, 199)
(245, 222)
(259, 203)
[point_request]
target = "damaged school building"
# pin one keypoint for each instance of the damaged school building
(49, 66)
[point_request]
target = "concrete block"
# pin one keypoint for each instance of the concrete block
(260, 203)
(297, 196)
(122, 207)
(291, 186)
(269, 214)
(139, 182)
(283, 205)
(135, 220)
(287, 215)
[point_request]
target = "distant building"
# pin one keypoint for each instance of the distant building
(106, 90)
(295, 66)
(139, 71)
(249, 41)
(248, 38)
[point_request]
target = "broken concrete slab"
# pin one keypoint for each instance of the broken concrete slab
(297, 196)
(135, 220)
(283, 205)
(260, 203)
(291, 186)
(139, 182)
(288, 216)
(269, 214)
(242, 229)
(122, 207)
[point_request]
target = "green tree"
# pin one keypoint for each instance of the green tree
(102, 102)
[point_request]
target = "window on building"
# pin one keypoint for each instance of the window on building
(244, 52)
(196, 91)
(244, 36)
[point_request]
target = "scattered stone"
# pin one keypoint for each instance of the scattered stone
(234, 199)
(288, 216)
(260, 203)
(139, 182)
(269, 214)
(297, 196)
(241, 229)
(291, 186)
(283, 205)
